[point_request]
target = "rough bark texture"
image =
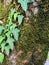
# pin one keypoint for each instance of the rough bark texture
(33, 44)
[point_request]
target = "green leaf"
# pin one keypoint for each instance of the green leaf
(8, 34)
(12, 11)
(24, 6)
(5, 30)
(1, 57)
(15, 33)
(7, 49)
(10, 42)
(10, 23)
(10, 18)
(13, 26)
(3, 46)
(1, 29)
(1, 39)
(15, 15)
(24, 3)
(20, 18)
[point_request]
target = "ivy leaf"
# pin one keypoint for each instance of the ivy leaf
(1, 29)
(13, 26)
(10, 23)
(12, 11)
(15, 33)
(1, 39)
(5, 30)
(24, 3)
(3, 46)
(1, 57)
(10, 18)
(15, 15)
(20, 18)
(7, 50)
(8, 34)
(10, 42)
(24, 6)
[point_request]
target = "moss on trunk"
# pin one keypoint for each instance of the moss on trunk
(34, 38)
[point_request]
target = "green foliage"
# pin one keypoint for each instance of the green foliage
(24, 3)
(6, 38)
(12, 11)
(15, 33)
(7, 33)
(1, 29)
(10, 42)
(3, 46)
(1, 57)
(15, 15)
(1, 38)
(7, 50)
(20, 17)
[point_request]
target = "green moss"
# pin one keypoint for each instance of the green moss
(34, 35)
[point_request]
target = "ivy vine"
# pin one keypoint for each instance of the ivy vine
(10, 32)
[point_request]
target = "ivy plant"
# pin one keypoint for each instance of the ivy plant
(1, 57)
(9, 33)
(24, 3)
